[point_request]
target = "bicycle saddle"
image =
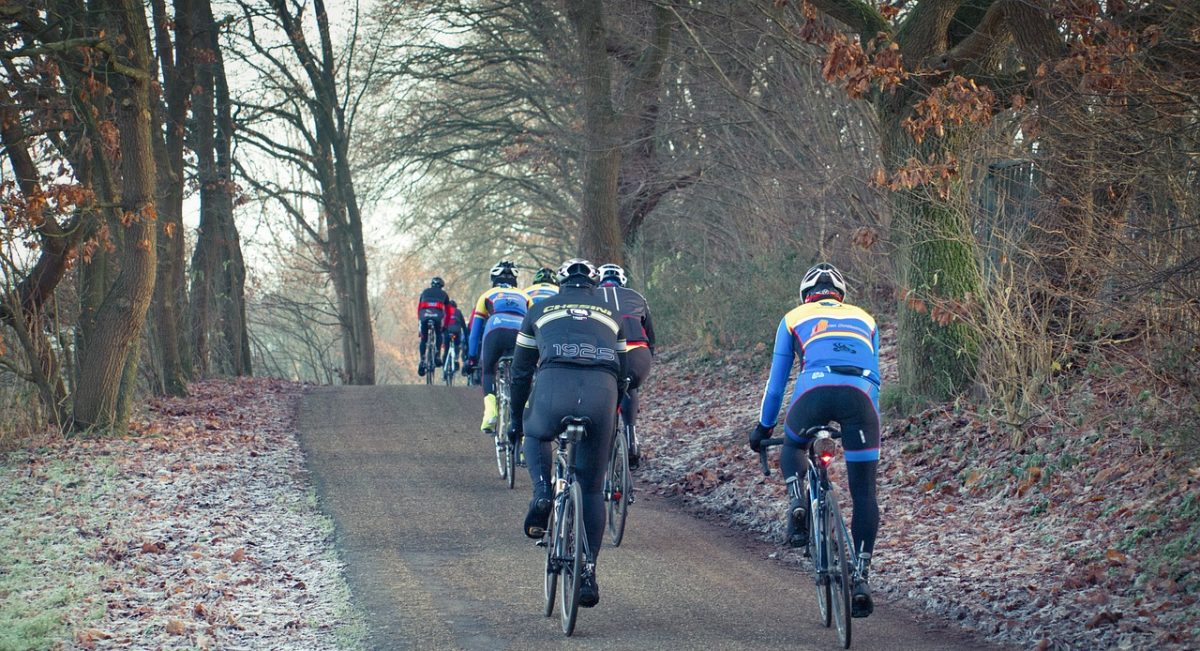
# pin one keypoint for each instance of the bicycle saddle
(567, 421)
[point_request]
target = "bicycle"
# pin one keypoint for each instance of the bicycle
(618, 484)
(451, 360)
(430, 351)
(565, 540)
(506, 451)
(829, 544)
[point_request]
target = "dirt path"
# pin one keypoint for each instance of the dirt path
(436, 558)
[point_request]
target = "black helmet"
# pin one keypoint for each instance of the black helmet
(577, 267)
(437, 282)
(821, 281)
(613, 272)
(452, 303)
(504, 273)
(545, 275)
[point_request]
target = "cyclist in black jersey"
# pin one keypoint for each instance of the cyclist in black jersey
(576, 343)
(639, 344)
(431, 308)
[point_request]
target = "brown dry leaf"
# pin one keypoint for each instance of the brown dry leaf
(239, 555)
(176, 627)
(1115, 556)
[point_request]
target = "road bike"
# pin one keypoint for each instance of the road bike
(451, 361)
(430, 356)
(618, 484)
(829, 544)
(564, 540)
(506, 450)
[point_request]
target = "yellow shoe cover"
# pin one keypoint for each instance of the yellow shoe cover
(489, 412)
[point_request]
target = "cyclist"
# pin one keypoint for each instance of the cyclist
(545, 285)
(576, 343)
(838, 347)
(431, 308)
(455, 326)
(494, 325)
(639, 335)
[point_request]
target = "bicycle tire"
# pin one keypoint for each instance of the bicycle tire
(839, 571)
(553, 541)
(572, 569)
(501, 455)
(430, 355)
(820, 556)
(618, 489)
(448, 368)
(511, 448)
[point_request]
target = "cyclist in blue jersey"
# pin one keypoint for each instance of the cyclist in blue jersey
(494, 326)
(838, 347)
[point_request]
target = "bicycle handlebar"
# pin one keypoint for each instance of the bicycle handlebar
(762, 452)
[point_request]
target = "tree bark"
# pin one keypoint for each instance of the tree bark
(600, 239)
(170, 295)
(118, 320)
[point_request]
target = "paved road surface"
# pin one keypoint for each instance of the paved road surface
(436, 558)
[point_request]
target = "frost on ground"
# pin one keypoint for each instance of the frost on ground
(199, 530)
(1083, 537)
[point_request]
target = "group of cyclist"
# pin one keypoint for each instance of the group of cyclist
(590, 340)
(436, 309)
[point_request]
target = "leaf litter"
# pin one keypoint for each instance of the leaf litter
(201, 527)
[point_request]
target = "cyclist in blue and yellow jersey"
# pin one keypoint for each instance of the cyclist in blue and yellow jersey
(494, 326)
(838, 347)
(545, 285)
(576, 343)
(639, 336)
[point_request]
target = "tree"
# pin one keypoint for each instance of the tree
(312, 103)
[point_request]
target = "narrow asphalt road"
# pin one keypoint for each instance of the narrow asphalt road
(436, 558)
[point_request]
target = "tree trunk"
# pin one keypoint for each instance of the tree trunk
(600, 239)
(234, 333)
(118, 320)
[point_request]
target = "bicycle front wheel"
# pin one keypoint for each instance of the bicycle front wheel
(619, 489)
(572, 558)
(553, 542)
(839, 572)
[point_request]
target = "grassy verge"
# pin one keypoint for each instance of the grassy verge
(49, 575)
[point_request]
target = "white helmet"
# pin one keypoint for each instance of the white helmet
(826, 277)
(612, 271)
(577, 267)
(504, 272)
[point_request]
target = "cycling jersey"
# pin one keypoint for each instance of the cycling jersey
(639, 330)
(502, 306)
(432, 304)
(540, 291)
(837, 343)
(454, 320)
(577, 328)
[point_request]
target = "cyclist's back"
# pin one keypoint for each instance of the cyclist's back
(544, 286)
(494, 325)
(576, 343)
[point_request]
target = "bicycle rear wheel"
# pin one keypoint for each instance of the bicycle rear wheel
(819, 551)
(553, 542)
(572, 558)
(618, 489)
(448, 368)
(511, 448)
(430, 354)
(839, 571)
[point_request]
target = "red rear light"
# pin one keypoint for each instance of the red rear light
(826, 458)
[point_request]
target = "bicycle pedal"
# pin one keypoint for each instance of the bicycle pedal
(540, 543)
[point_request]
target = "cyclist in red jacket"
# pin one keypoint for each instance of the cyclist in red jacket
(431, 308)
